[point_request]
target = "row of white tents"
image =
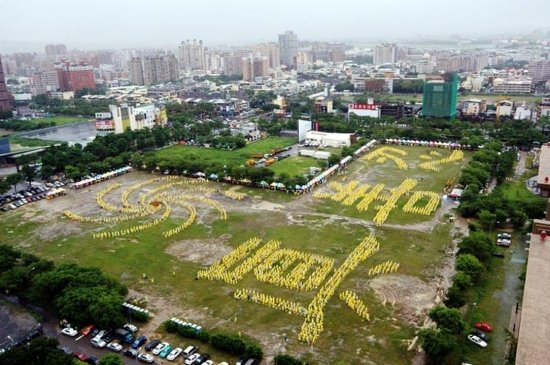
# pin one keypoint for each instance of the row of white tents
(101, 177)
(415, 142)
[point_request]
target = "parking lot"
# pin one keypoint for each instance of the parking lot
(15, 323)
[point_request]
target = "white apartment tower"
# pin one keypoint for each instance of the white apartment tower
(192, 55)
(385, 53)
(288, 48)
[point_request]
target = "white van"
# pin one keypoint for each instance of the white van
(190, 350)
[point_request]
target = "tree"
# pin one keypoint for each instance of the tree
(72, 172)
(487, 219)
(111, 359)
(462, 280)
(447, 319)
(4, 186)
(437, 344)
(477, 244)
(29, 172)
(13, 180)
(85, 305)
(286, 360)
(470, 265)
(455, 297)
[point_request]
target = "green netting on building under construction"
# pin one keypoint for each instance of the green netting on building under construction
(440, 98)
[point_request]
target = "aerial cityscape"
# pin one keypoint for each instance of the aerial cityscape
(246, 183)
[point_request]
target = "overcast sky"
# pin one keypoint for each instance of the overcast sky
(164, 23)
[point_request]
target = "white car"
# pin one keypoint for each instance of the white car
(208, 362)
(174, 354)
(478, 341)
(146, 358)
(223, 363)
(159, 347)
(114, 346)
(98, 342)
(506, 236)
(68, 331)
(130, 327)
(191, 359)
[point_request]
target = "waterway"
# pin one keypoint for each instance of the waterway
(81, 132)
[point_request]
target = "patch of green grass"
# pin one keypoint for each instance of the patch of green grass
(60, 120)
(30, 142)
(235, 157)
(294, 165)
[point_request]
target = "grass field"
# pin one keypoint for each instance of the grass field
(371, 172)
(238, 156)
(397, 303)
(60, 120)
(295, 165)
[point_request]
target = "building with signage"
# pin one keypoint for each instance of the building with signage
(322, 139)
(364, 109)
(440, 97)
(120, 118)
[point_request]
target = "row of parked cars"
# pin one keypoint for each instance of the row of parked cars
(479, 335)
(16, 200)
(115, 340)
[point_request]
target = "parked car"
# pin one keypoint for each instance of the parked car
(484, 326)
(503, 243)
(114, 346)
(146, 358)
(108, 336)
(174, 354)
(481, 334)
(80, 356)
(478, 341)
(191, 359)
(498, 254)
(209, 362)
(92, 360)
(131, 353)
(98, 343)
(86, 330)
(139, 342)
(152, 344)
(130, 327)
(506, 236)
(160, 347)
(68, 331)
(202, 358)
(165, 351)
(189, 350)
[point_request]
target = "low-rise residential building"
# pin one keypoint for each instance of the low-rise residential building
(545, 107)
(472, 107)
(249, 130)
(120, 118)
(504, 108)
(512, 86)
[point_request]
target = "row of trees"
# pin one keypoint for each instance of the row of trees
(230, 343)
(82, 295)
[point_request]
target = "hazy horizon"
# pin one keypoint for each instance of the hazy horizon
(165, 23)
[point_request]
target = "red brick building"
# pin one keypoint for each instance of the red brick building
(74, 77)
(5, 104)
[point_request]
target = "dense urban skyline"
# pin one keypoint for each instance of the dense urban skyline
(126, 23)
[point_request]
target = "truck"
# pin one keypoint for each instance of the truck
(124, 335)
(270, 161)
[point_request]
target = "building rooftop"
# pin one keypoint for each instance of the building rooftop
(544, 165)
(534, 335)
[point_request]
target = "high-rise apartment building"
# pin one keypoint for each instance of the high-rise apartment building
(53, 50)
(385, 53)
(539, 70)
(254, 66)
(440, 97)
(288, 48)
(45, 81)
(159, 69)
(5, 104)
(136, 71)
(74, 77)
(271, 51)
(192, 55)
(233, 62)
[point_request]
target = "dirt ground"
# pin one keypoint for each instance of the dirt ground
(411, 296)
